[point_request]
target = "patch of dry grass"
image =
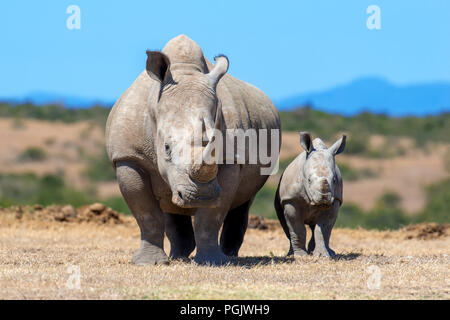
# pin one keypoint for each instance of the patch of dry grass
(35, 257)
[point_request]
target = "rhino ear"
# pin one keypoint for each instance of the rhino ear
(339, 145)
(158, 65)
(219, 70)
(306, 141)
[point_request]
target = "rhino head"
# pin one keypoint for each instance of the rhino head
(319, 169)
(185, 116)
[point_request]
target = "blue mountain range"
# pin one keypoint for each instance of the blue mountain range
(378, 96)
(44, 98)
(365, 94)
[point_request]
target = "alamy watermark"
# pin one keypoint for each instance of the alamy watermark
(374, 20)
(73, 22)
(230, 146)
(74, 280)
(374, 280)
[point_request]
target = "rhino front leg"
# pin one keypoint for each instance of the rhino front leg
(322, 232)
(207, 223)
(135, 187)
(297, 230)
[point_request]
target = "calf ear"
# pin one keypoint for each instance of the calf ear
(158, 65)
(306, 141)
(219, 70)
(339, 145)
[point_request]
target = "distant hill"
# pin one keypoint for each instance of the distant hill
(46, 98)
(378, 96)
(374, 95)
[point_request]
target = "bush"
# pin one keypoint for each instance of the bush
(100, 169)
(385, 215)
(351, 174)
(29, 189)
(117, 203)
(438, 204)
(33, 154)
(263, 203)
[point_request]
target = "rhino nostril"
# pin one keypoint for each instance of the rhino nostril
(180, 195)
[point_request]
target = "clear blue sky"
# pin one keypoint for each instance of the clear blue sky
(282, 47)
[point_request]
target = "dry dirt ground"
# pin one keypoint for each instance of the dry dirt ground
(42, 254)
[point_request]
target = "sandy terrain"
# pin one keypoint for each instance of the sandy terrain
(66, 146)
(41, 260)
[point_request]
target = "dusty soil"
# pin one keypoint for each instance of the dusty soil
(41, 258)
(67, 146)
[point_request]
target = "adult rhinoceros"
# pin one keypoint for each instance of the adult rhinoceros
(179, 89)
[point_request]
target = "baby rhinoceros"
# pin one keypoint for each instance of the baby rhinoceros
(310, 193)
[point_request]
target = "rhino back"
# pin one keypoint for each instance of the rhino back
(245, 106)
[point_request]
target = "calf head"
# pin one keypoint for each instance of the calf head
(319, 170)
(185, 117)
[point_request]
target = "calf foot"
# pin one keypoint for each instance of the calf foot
(149, 254)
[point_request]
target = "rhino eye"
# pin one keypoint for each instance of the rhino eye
(309, 180)
(167, 151)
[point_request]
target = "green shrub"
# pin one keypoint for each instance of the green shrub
(386, 215)
(29, 189)
(117, 203)
(437, 208)
(351, 174)
(100, 169)
(33, 154)
(263, 203)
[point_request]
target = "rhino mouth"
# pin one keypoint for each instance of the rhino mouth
(323, 203)
(198, 195)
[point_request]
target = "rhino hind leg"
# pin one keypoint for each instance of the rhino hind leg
(181, 235)
(234, 228)
(135, 187)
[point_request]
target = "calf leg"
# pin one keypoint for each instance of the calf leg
(181, 235)
(135, 187)
(297, 230)
(312, 243)
(322, 232)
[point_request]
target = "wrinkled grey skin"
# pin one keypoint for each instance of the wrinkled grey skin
(179, 89)
(310, 192)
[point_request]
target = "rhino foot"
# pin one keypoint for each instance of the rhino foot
(215, 257)
(327, 253)
(149, 255)
(300, 253)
